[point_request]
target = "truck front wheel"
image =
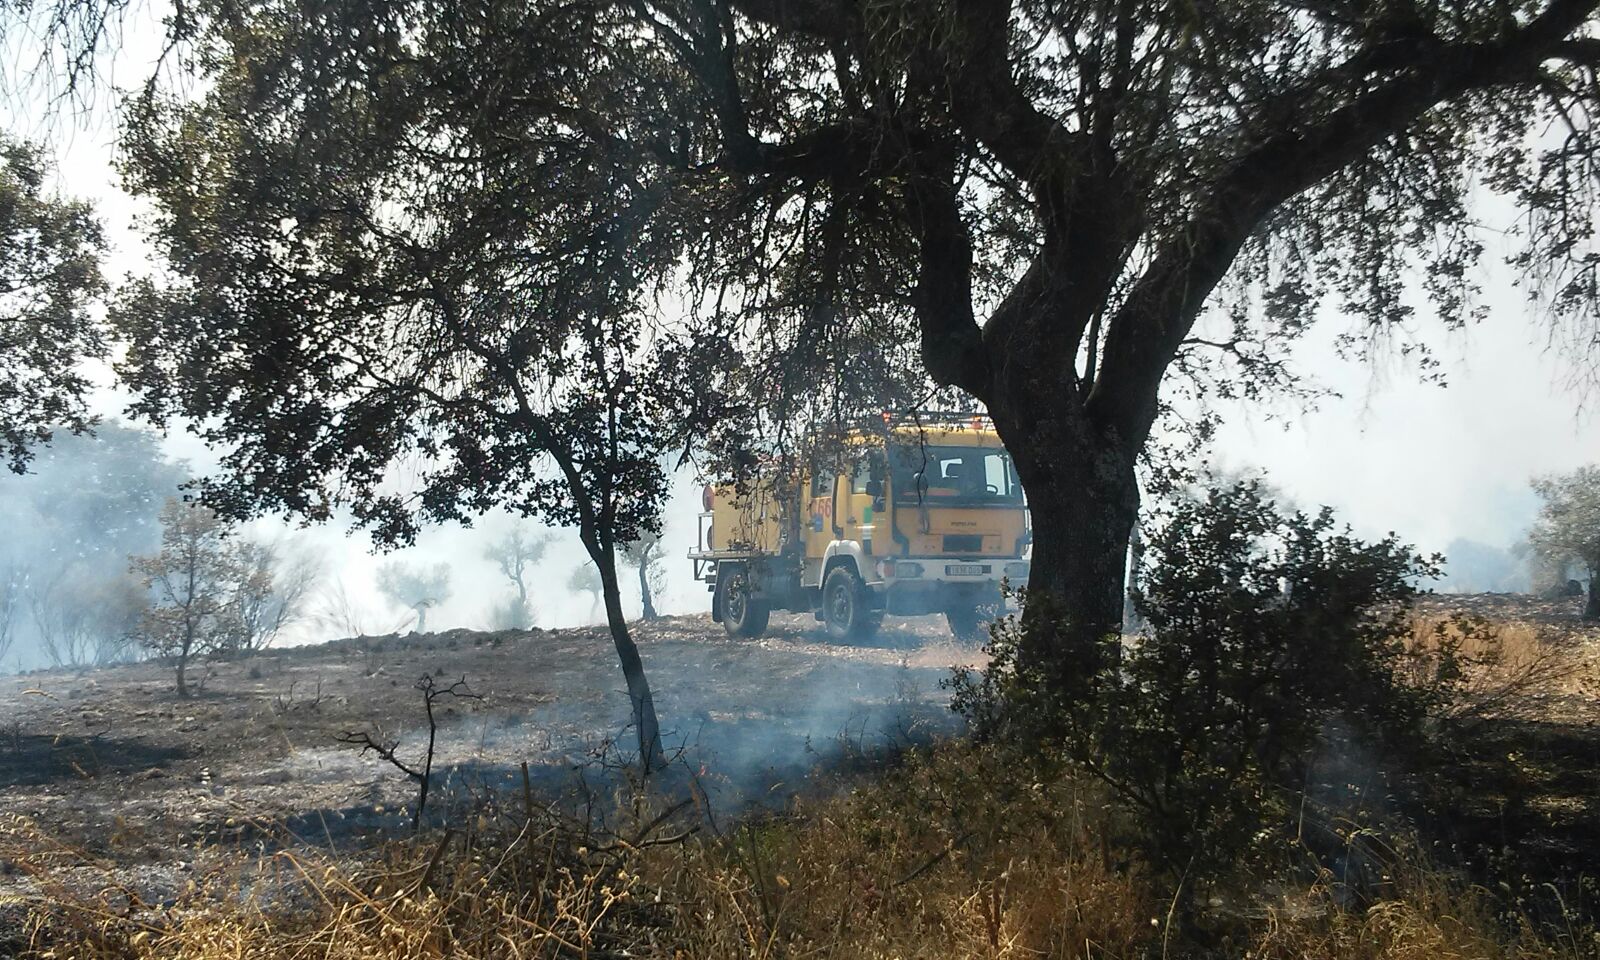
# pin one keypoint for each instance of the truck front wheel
(847, 608)
(743, 616)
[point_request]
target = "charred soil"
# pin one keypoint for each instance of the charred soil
(114, 764)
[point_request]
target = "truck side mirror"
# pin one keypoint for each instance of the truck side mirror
(875, 489)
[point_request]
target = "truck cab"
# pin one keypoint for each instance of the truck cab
(923, 516)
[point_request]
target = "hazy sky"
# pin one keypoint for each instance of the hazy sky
(1391, 453)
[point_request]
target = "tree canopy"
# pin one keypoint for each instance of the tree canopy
(1567, 530)
(455, 230)
(192, 581)
(50, 251)
(416, 587)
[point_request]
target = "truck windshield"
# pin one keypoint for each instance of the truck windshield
(954, 476)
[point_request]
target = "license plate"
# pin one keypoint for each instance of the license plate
(965, 570)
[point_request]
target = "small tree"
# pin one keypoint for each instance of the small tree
(644, 556)
(415, 587)
(1568, 528)
(193, 579)
(270, 594)
(386, 749)
(515, 554)
(586, 579)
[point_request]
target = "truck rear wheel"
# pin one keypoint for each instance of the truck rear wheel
(970, 624)
(847, 608)
(743, 616)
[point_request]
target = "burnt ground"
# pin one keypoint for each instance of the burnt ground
(142, 784)
(1513, 797)
(112, 763)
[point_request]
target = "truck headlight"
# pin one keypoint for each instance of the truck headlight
(1017, 571)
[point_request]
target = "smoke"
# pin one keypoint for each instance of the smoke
(67, 597)
(745, 724)
(479, 590)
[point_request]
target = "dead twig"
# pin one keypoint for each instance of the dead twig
(386, 749)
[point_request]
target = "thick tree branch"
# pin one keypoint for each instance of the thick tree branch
(952, 343)
(987, 100)
(1148, 329)
(1580, 50)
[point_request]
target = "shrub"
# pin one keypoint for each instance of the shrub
(1264, 632)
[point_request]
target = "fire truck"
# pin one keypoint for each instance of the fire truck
(923, 516)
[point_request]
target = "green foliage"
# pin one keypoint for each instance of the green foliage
(1568, 528)
(1263, 629)
(442, 233)
(50, 252)
(347, 299)
(858, 186)
(209, 594)
(86, 504)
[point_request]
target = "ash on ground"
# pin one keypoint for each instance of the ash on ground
(112, 764)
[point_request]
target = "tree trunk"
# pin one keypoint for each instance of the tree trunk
(644, 593)
(183, 654)
(1591, 608)
(1084, 498)
(651, 756)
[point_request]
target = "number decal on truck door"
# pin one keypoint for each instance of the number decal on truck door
(821, 513)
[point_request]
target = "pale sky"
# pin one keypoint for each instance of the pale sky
(1431, 463)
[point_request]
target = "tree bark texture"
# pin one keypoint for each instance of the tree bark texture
(1084, 498)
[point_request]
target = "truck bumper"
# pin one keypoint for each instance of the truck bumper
(943, 583)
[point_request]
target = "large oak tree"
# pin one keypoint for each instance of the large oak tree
(1045, 197)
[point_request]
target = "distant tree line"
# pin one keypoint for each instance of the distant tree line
(67, 597)
(104, 562)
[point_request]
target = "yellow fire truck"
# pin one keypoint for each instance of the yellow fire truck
(923, 516)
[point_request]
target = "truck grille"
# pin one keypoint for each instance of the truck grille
(963, 543)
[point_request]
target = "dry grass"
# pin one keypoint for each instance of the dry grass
(1430, 918)
(946, 857)
(1510, 669)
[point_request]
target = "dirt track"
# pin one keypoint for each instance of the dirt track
(113, 762)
